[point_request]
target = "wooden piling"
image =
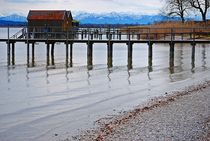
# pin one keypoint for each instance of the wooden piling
(33, 54)
(8, 53)
(109, 54)
(48, 54)
(150, 49)
(71, 54)
(150, 55)
(90, 54)
(171, 58)
(67, 54)
(171, 49)
(52, 53)
(13, 53)
(130, 54)
(193, 55)
(28, 54)
(120, 35)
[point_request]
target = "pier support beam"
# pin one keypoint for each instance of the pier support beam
(13, 53)
(109, 54)
(8, 53)
(71, 54)
(193, 55)
(52, 54)
(33, 54)
(90, 55)
(150, 54)
(171, 58)
(130, 55)
(67, 54)
(28, 54)
(48, 54)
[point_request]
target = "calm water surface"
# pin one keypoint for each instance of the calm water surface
(37, 103)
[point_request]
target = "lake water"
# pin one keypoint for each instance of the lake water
(37, 103)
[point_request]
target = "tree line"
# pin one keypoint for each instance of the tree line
(182, 8)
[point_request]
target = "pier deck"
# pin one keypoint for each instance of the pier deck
(106, 36)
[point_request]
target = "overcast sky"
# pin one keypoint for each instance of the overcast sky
(93, 6)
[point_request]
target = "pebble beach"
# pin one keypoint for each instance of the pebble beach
(178, 116)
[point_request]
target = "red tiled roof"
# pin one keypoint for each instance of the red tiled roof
(46, 14)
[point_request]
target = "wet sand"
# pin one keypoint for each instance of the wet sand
(181, 115)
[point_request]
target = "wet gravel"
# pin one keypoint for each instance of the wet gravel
(185, 119)
(177, 116)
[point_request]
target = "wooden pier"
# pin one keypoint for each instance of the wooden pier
(108, 37)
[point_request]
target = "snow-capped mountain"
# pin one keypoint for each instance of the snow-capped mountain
(117, 18)
(103, 18)
(14, 18)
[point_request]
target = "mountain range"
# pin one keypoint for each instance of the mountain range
(92, 18)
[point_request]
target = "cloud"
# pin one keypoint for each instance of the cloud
(30, 1)
(95, 6)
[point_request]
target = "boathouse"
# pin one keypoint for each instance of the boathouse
(54, 23)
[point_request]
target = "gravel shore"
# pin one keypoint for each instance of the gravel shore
(180, 116)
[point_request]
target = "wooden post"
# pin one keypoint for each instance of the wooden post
(8, 48)
(130, 54)
(120, 35)
(171, 58)
(150, 54)
(85, 33)
(193, 35)
(71, 54)
(82, 35)
(129, 35)
(138, 36)
(172, 49)
(52, 54)
(150, 49)
(171, 34)
(91, 35)
(67, 54)
(28, 53)
(48, 54)
(90, 54)
(13, 53)
(32, 54)
(8, 53)
(109, 54)
(193, 55)
(28, 47)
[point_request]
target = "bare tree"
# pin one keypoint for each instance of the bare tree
(202, 6)
(176, 8)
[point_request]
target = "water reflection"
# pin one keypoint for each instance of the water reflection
(203, 59)
(47, 77)
(8, 75)
(180, 57)
(129, 75)
(193, 58)
(66, 75)
(171, 60)
(109, 73)
(88, 78)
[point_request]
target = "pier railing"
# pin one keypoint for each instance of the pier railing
(120, 33)
(143, 33)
